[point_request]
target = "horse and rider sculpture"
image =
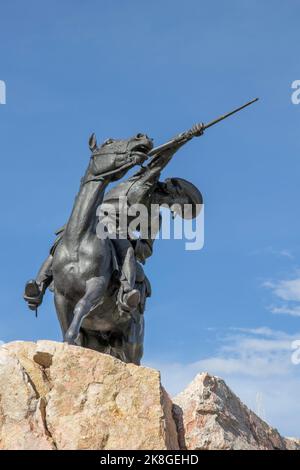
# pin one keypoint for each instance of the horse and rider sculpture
(99, 285)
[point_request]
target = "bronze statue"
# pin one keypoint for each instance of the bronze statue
(99, 284)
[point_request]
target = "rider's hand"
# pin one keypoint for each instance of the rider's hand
(196, 130)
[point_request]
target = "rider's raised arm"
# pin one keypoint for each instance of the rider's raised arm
(162, 158)
(158, 162)
(151, 172)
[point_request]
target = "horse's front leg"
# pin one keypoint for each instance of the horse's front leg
(95, 289)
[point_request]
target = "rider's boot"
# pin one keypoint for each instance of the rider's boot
(33, 294)
(132, 299)
(36, 288)
(129, 298)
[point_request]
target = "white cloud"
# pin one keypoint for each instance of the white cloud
(269, 250)
(286, 253)
(263, 331)
(253, 362)
(288, 291)
(285, 309)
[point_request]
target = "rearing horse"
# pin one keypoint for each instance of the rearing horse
(82, 262)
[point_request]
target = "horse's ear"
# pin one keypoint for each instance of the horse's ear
(93, 142)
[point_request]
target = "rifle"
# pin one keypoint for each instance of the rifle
(185, 136)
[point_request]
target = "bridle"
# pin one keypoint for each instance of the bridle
(112, 172)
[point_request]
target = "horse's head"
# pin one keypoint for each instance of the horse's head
(137, 145)
(116, 154)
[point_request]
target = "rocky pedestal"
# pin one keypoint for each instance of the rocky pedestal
(55, 396)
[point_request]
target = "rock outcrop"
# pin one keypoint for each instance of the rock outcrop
(211, 417)
(55, 396)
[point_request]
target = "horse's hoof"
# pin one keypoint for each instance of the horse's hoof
(71, 339)
(70, 342)
(77, 341)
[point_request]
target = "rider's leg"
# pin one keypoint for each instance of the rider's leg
(95, 289)
(125, 253)
(45, 276)
(129, 296)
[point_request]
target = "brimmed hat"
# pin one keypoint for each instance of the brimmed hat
(194, 195)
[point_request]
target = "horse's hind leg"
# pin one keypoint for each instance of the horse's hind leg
(95, 289)
(64, 311)
(133, 345)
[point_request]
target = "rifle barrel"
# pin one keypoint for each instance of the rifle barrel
(169, 144)
(211, 123)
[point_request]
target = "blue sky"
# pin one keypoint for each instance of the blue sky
(122, 67)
